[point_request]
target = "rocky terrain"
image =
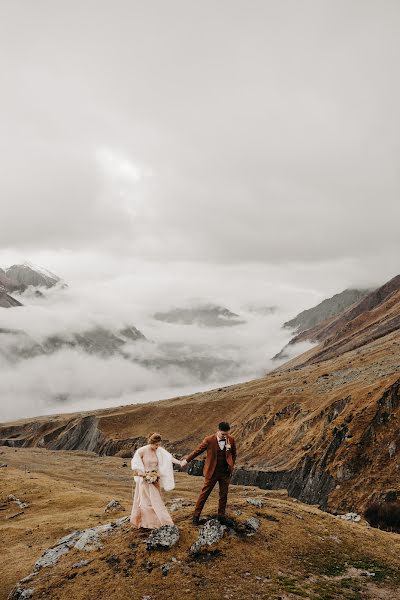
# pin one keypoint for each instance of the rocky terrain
(376, 315)
(328, 308)
(6, 282)
(324, 426)
(7, 301)
(65, 534)
(20, 277)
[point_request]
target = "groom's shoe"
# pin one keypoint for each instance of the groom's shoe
(224, 520)
(195, 520)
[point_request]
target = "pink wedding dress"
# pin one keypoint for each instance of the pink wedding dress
(148, 508)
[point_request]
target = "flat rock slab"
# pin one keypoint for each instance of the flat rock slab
(209, 533)
(163, 537)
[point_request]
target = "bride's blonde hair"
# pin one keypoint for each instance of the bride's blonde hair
(154, 438)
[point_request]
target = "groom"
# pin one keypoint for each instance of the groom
(220, 460)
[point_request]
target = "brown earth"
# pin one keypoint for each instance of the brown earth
(298, 552)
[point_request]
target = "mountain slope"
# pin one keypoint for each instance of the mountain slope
(6, 282)
(376, 315)
(23, 275)
(329, 420)
(7, 301)
(328, 308)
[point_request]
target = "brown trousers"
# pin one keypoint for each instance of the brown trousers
(223, 477)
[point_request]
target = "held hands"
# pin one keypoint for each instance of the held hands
(183, 462)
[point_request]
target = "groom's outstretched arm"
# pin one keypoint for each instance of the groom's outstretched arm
(203, 446)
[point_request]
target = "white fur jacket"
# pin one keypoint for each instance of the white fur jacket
(165, 467)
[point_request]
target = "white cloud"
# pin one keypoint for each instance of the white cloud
(215, 151)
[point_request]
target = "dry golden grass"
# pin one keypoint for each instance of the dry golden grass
(299, 551)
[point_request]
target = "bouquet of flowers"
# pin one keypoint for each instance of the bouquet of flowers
(151, 476)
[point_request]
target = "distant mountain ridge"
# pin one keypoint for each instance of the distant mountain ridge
(375, 315)
(326, 309)
(306, 321)
(206, 315)
(99, 341)
(19, 277)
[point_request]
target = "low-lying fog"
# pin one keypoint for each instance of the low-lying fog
(175, 359)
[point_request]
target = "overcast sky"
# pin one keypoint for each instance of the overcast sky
(206, 132)
(154, 153)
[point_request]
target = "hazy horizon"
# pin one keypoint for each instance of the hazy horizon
(159, 154)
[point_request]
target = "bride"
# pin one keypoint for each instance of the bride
(153, 465)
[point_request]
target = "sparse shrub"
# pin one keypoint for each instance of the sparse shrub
(384, 515)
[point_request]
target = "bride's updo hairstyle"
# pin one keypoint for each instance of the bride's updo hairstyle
(154, 438)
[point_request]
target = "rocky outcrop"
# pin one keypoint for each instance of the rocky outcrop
(86, 540)
(84, 435)
(7, 301)
(26, 274)
(210, 533)
(163, 538)
(309, 482)
(6, 282)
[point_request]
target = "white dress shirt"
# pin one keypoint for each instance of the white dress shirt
(222, 444)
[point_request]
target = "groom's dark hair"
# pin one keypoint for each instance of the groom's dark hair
(224, 426)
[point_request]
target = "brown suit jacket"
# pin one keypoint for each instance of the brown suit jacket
(210, 443)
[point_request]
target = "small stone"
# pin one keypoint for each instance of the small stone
(163, 537)
(114, 506)
(392, 449)
(253, 524)
(351, 516)
(255, 502)
(81, 563)
(21, 594)
(165, 569)
(148, 566)
(18, 502)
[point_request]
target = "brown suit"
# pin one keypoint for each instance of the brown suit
(218, 466)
